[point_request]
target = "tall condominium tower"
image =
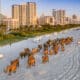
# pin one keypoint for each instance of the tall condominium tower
(59, 16)
(31, 13)
(16, 13)
(74, 19)
(25, 13)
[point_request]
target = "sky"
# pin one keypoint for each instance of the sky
(44, 6)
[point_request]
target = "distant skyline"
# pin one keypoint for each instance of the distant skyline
(45, 6)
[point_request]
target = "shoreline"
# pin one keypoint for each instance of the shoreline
(12, 41)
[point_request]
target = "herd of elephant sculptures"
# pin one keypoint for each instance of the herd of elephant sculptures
(50, 47)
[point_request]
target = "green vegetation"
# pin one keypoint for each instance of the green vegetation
(27, 32)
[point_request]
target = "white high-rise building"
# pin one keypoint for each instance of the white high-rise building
(74, 19)
(31, 13)
(59, 16)
(16, 13)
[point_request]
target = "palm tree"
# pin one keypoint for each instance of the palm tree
(3, 28)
